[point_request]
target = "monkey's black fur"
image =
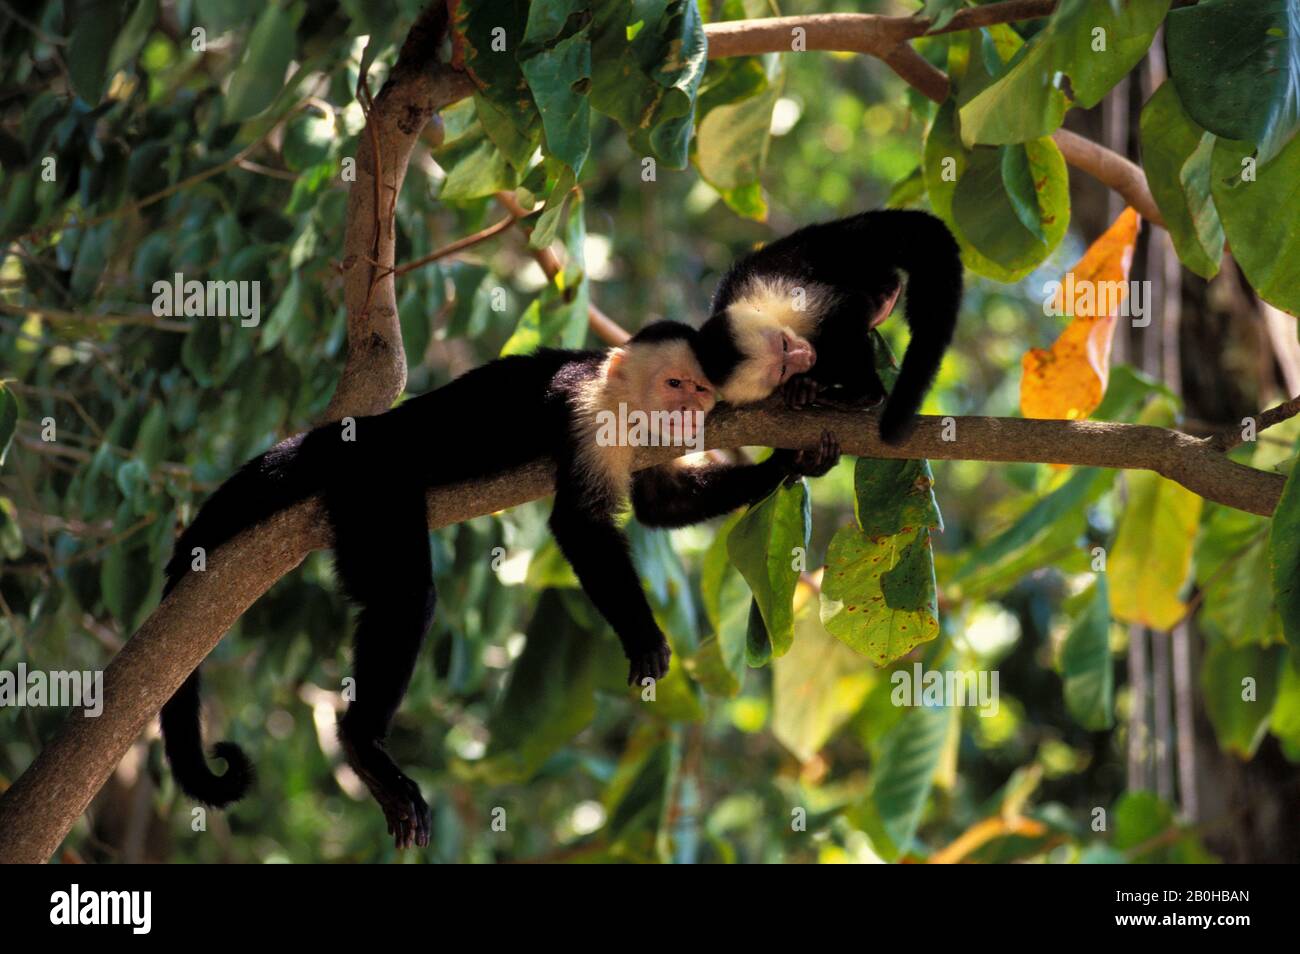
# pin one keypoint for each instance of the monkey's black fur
(856, 258)
(493, 418)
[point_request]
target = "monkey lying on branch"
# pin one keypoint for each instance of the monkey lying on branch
(372, 474)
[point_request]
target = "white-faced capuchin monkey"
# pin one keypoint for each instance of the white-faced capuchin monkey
(797, 314)
(373, 482)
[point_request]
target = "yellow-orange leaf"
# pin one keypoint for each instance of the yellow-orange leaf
(1068, 380)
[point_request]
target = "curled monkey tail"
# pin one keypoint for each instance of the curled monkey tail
(289, 472)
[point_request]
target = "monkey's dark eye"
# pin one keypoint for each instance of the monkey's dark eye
(785, 343)
(674, 382)
(702, 390)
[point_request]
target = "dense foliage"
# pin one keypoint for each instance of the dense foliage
(777, 735)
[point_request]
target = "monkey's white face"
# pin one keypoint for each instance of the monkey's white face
(788, 355)
(775, 355)
(664, 377)
(681, 386)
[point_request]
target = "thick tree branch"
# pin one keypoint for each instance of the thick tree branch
(417, 88)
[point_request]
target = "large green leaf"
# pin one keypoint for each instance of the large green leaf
(893, 496)
(1064, 502)
(260, 73)
(732, 139)
(1285, 720)
(967, 190)
(1260, 220)
(1233, 573)
(1152, 554)
(475, 166)
(1284, 555)
(901, 781)
(878, 593)
(1236, 64)
(556, 62)
(762, 547)
(1176, 155)
(551, 693)
(486, 36)
(1240, 686)
(648, 82)
(816, 687)
(1086, 664)
(719, 664)
(1094, 43)
(89, 46)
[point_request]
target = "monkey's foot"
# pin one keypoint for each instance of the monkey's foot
(652, 664)
(816, 461)
(398, 796)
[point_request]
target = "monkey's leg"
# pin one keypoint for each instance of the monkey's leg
(388, 638)
(382, 556)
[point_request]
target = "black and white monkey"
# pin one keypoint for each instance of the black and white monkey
(503, 414)
(797, 314)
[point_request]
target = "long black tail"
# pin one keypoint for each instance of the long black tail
(289, 472)
(921, 245)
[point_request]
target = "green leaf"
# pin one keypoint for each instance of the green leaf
(1233, 572)
(762, 547)
(1066, 501)
(260, 73)
(550, 697)
(894, 496)
(133, 34)
(89, 47)
(941, 12)
(287, 308)
(855, 606)
(557, 65)
(1086, 665)
(308, 139)
(1240, 686)
(8, 420)
(901, 782)
(548, 223)
(997, 245)
(1176, 155)
(1152, 554)
(648, 83)
(201, 349)
(1095, 44)
(1284, 556)
(1236, 65)
(816, 687)
(511, 119)
(1259, 220)
(758, 644)
(475, 167)
(1285, 720)
(731, 147)
(719, 664)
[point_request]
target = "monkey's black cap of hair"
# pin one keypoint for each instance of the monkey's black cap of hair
(716, 350)
(664, 331)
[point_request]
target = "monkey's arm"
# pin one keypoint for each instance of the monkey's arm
(676, 496)
(598, 553)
